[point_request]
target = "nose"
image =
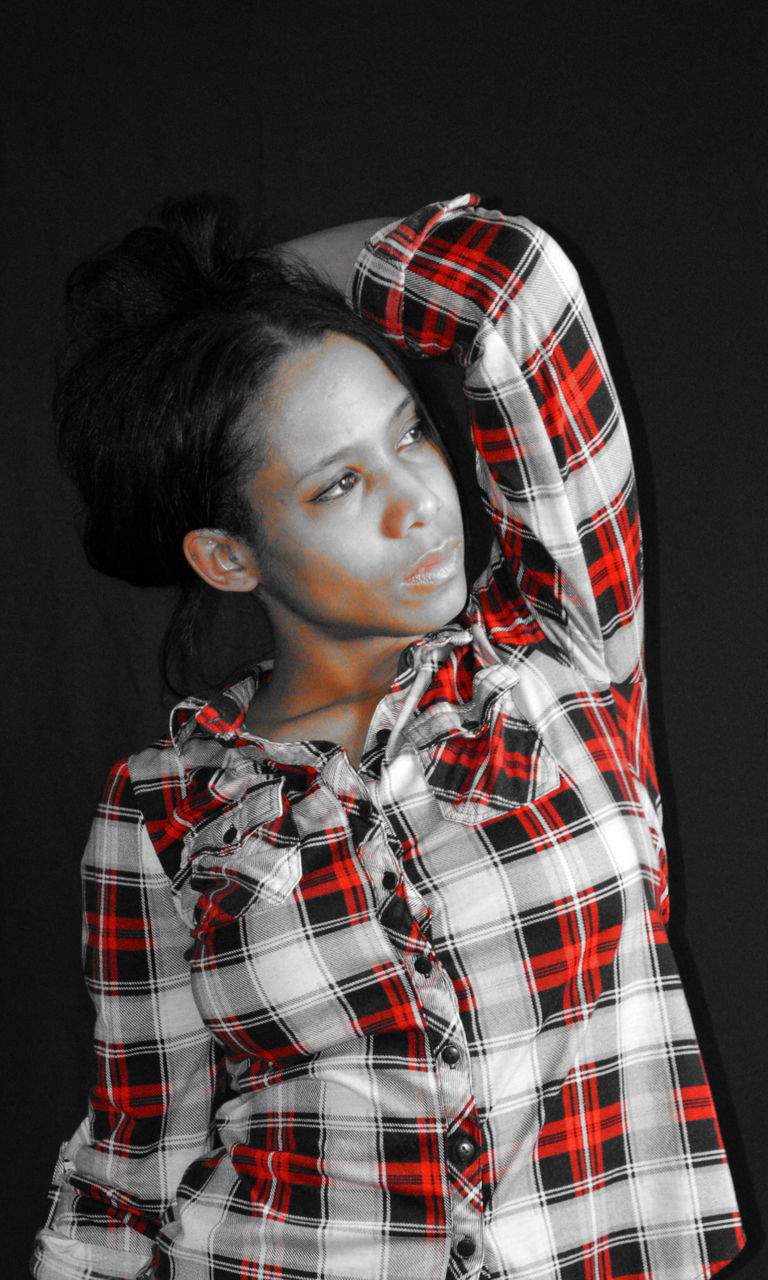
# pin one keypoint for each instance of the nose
(410, 504)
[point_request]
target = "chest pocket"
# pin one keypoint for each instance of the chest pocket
(485, 771)
(246, 858)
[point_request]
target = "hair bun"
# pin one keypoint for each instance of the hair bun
(200, 249)
(210, 228)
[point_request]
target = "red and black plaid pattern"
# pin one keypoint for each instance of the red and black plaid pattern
(420, 1018)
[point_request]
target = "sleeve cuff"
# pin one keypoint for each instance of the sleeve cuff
(377, 283)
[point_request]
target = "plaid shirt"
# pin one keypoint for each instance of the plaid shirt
(417, 1019)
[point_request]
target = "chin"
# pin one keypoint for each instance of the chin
(446, 609)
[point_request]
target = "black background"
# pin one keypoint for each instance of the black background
(637, 133)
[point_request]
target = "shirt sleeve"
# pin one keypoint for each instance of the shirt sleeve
(150, 1112)
(552, 453)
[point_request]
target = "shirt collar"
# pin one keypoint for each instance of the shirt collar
(223, 715)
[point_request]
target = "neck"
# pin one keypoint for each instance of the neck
(315, 670)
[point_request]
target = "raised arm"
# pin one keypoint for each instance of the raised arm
(150, 1113)
(332, 253)
(553, 454)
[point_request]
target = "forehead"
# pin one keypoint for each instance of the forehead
(324, 396)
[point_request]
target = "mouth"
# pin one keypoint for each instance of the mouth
(438, 565)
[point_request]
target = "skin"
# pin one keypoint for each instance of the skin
(352, 498)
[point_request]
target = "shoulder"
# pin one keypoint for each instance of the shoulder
(172, 785)
(154, 785)
(154, 769)
(138, 788)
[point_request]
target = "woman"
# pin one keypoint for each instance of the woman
(376, 936)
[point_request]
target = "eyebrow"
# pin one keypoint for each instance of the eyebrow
(407, 402)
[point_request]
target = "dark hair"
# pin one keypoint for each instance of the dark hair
(172, 333)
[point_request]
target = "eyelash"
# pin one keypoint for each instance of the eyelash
(327, 495)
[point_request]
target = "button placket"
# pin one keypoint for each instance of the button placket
(466, 1202)
(403, 783)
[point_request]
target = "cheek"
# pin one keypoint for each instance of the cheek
(440, 478)
(300, 569)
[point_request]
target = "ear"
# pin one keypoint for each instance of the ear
(220, 560)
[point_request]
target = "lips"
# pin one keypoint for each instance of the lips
(438, 565)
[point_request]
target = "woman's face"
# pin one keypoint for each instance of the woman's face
(362, 530)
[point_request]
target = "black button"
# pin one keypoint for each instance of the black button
(389, 880)
(466, 1247)
(463, 1151)
(451, 1054)
(423, 964)
(230, 834)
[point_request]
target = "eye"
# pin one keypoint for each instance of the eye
(344, 484)
(414, 435)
